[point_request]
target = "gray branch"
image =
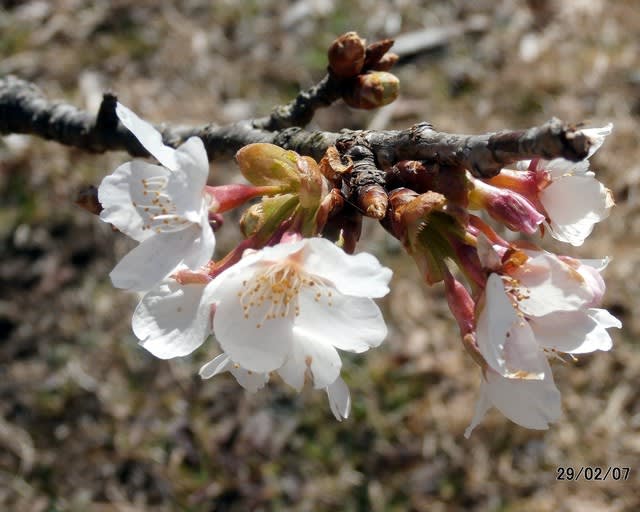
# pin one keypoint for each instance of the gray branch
(25, 109)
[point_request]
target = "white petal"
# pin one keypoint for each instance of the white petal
(148, 136)
(201, 251)
(560, 167)
(250, 381)
(489, 257)
(216, 366)
(154, 259)
(575, 332)
(552, 285)
(360, 275)
(598, 263)
(574, 204)
(354, 324)
(259, 349)
(522, 354)
(597, 136)
(339, 399)
(530, 403)
(505, 340)
(188, 182)
(495, 320)
(310, 353)
(170, 320)
(120, 190)
(482, 406)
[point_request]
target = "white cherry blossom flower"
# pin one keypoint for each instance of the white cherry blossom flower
(163, 207)
(290, 306)
(573, 199)
(544, 306)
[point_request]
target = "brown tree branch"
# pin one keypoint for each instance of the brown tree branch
(25, 109)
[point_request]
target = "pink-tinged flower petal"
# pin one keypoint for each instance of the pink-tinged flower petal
(574, 204)
(257, 343)
(360, 275)
(148, 136)
(121, 191)
(169, 320)
(339, 399)
(354, 324)
(250, 381)
(575, 332)
(550, 285)
(154, 259)
(530, 403)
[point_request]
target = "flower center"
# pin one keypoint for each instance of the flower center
(158, 210)
(275, 290)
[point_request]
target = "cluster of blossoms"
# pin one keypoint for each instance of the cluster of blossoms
(287, 298)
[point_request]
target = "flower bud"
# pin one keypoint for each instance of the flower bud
(265, 164)
(373, 200)
(460, 303)
(505, 206)
(346, 55)
(372, 90)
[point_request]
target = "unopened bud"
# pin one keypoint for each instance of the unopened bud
(505, 206)
(460, 303)
(373, 201)
(346, 55)
(267, 164)
(372, 90)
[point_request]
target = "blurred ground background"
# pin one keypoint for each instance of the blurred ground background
(90, 422)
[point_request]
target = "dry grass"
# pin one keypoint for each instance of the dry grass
(90, 422)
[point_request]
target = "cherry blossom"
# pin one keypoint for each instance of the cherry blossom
(289, 307)
(567, 192)
(163, 207)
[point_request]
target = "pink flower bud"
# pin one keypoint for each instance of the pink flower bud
(505, 206)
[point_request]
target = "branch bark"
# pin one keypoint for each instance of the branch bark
(25, 109)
